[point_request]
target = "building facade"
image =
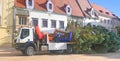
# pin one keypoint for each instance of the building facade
(106, 18)
(0, 11)
(90, 16)
(6, 21)
(49, 14)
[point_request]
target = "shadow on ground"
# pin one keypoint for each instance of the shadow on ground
(112, 55)
(11, 52)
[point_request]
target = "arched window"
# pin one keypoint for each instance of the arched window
(50, 6)
(68, 10)
(30, 4)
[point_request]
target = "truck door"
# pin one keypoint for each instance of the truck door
(24, 36)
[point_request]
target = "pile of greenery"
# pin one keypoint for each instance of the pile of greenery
(93, 39)
(118, 30)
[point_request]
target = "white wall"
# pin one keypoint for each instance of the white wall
(0, 7)
(44, 15)
(0, 10)
(110, 26)
(90, 20)
(98, 22)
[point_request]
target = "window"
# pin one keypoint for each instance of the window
(107, 13)
(44, 23)
(24, 33)
(105, 21)
(22, 20)
(30, 2)
(92, 13)
(101, 11)
(35, 21)
(61, 24)
(111, 22)
(53, 23)
(113, 14)
(108, 21)
(68, 10)
(50, 6)
(101, 20)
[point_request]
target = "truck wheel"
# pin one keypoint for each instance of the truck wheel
(30, 51)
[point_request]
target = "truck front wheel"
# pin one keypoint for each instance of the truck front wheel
(29, 51)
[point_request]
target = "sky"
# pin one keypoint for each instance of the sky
(112, 5)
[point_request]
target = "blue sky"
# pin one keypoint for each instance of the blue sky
(111, 5)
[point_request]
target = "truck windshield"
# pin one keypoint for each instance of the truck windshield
(24, 33)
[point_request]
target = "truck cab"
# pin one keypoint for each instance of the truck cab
(25, 41)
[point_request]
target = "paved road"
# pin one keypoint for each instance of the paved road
(10, 54)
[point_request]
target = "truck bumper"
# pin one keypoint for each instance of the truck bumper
(20, 46)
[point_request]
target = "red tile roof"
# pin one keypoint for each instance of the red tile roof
(85, 6)
(19, 3)
(59, 6)
(102, 11)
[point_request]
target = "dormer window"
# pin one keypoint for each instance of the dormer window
(68, 9)
(30, 4)
(113, 14)
(107, 13)
(92, 12)
(101, 11)
(50, 6)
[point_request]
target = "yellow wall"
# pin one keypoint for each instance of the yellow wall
(6, 19)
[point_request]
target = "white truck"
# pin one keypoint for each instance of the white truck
(31, 41)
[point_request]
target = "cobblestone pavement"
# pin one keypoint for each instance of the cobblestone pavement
(10, 54)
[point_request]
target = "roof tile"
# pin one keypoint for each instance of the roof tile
(59, 6)
(85, 6)
(102, 11)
